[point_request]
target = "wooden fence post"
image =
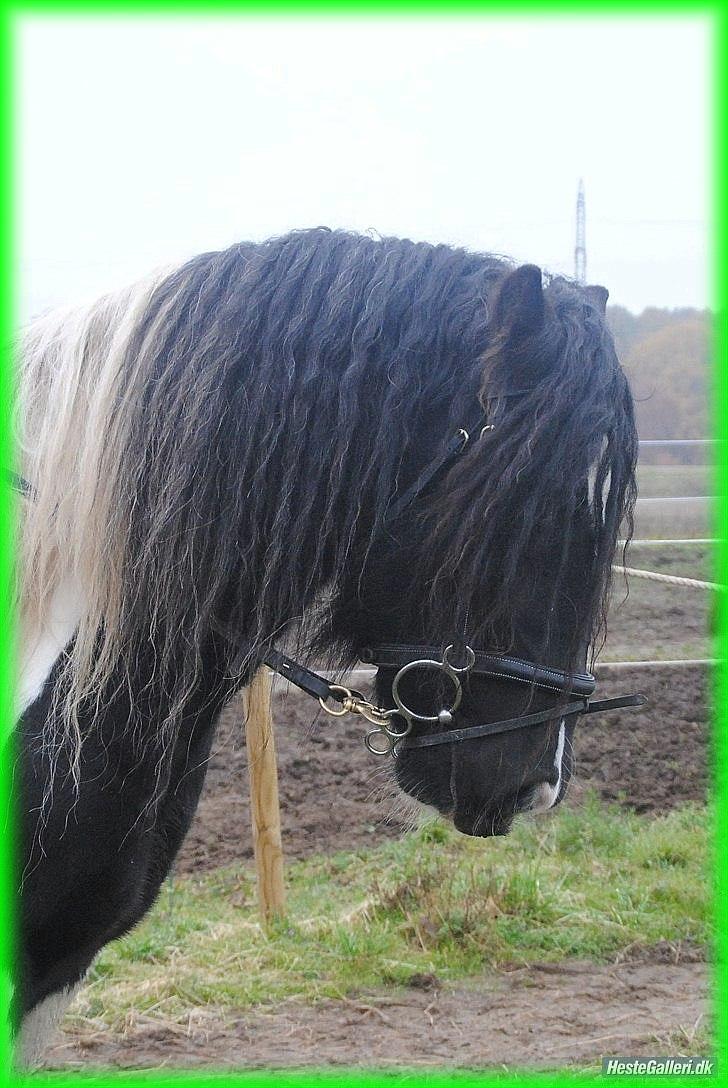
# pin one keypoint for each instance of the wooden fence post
(264, 807)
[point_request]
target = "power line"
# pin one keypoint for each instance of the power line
(580, 248)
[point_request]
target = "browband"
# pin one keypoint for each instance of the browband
(488, 664)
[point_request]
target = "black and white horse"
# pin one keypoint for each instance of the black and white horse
(215, 455)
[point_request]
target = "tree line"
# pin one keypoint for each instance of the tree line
(667, 356)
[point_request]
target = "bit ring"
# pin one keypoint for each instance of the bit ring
(469, 660)
(437, 666)
(385, 739)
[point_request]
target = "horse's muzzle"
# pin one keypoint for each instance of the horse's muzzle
(483, 824)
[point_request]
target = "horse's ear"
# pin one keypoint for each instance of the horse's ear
(518, 311)
(598, 296)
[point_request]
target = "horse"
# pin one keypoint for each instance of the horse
(370, 448)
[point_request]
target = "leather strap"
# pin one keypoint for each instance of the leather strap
(431, 471)
(489, 664)
(583, 706)
(310, 682)
(454, 736)
(617, 703)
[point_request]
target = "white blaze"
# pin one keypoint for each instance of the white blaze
(544, 796)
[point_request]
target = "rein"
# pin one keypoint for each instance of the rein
(582, 706)
(385, 738)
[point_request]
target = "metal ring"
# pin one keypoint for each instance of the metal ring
(469, 656)
(336, 713)
(397, 734)
(437, 666)
(371, 746)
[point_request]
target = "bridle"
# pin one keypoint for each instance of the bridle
(386, 738)
(481, 663)
(393, 727)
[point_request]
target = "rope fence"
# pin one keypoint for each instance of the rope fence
(658, 541)
(670, 579)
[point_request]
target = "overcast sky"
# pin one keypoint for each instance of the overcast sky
(144, 141)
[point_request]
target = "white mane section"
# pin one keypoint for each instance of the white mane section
(68, 371)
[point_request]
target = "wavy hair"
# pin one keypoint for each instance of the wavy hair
(215, 447)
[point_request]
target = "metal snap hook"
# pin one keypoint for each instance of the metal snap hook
(343, 708)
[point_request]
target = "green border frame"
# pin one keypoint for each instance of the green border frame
(10, 12)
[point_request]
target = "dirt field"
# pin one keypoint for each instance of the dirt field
(547, 1015)
(336, 796)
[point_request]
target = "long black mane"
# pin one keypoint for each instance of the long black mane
(275, 397)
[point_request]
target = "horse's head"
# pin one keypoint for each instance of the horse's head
(514, 700)
(480, 599)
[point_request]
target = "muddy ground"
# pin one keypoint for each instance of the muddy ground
(544, 1015)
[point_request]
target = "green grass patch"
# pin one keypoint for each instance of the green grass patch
(694, 649)
(657, 621)
(659, 481)
(695, 560)
(584, 883)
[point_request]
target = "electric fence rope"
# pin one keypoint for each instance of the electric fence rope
(671, 579)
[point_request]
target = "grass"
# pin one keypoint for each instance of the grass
(696, 1040)
(659, 519)
(584, 883)
(656, 481)
(658, 621)
(678, 651)
(669, 519)
(692, 559)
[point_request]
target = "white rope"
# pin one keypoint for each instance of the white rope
(670, 540)
(672, 579)
(667, 663)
